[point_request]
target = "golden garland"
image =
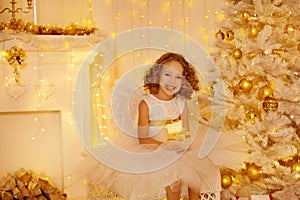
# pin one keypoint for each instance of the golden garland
(18, 25)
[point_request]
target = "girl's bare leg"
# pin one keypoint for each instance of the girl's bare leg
(171, 195)
(193, 195)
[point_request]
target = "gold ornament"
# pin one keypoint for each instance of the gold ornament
(244, 15)
(18, 54)
(229, 35)
(15, 56)
(253, 172)
(290, 29)
(226, 181)
(298, 46)
(245, 85)
(252, 31)
(237, 53)
(220, 35)
(296, 167)
(250, 117)
(265, 91)
(270, 104)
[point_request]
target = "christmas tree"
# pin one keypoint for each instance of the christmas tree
(257, 50)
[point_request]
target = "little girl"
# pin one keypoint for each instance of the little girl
(170, 82)
(163, 125)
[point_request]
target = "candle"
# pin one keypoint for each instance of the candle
(34, 12)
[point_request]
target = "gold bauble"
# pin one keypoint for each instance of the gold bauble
(270, 104)
(299, 47)
(237, 53)
(252, 31)
(290, 29)
(226, 181)
(229, 35)
(265, 91)
(250, 117)
(253, 172)
(296, 167)
(244, 15)
(245, 85)
(220, 35)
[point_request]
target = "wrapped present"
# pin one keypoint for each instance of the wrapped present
(34, 188)
(31, 198)
(17, 193)
(46, 187)
(174, 128)
(24, 184)
(7, 183)
(41, 197)
(23, 188)
(57, 195)
(261, 197)
(23, 175)
(7, 196)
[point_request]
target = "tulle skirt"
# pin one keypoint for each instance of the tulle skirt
(201, 175)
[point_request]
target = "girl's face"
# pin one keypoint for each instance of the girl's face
(171, 78)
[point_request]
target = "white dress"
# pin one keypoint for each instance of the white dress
(173, 166)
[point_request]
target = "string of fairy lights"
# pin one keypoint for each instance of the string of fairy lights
(37, 118)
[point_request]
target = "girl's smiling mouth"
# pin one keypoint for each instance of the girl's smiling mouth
(170, 87)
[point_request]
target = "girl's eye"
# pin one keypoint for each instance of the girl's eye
(166, 74)
(179, 77)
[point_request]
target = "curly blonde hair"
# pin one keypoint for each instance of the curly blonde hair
(190, 81)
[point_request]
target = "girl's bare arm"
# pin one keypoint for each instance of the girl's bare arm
(184, 118)
(143, 125)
